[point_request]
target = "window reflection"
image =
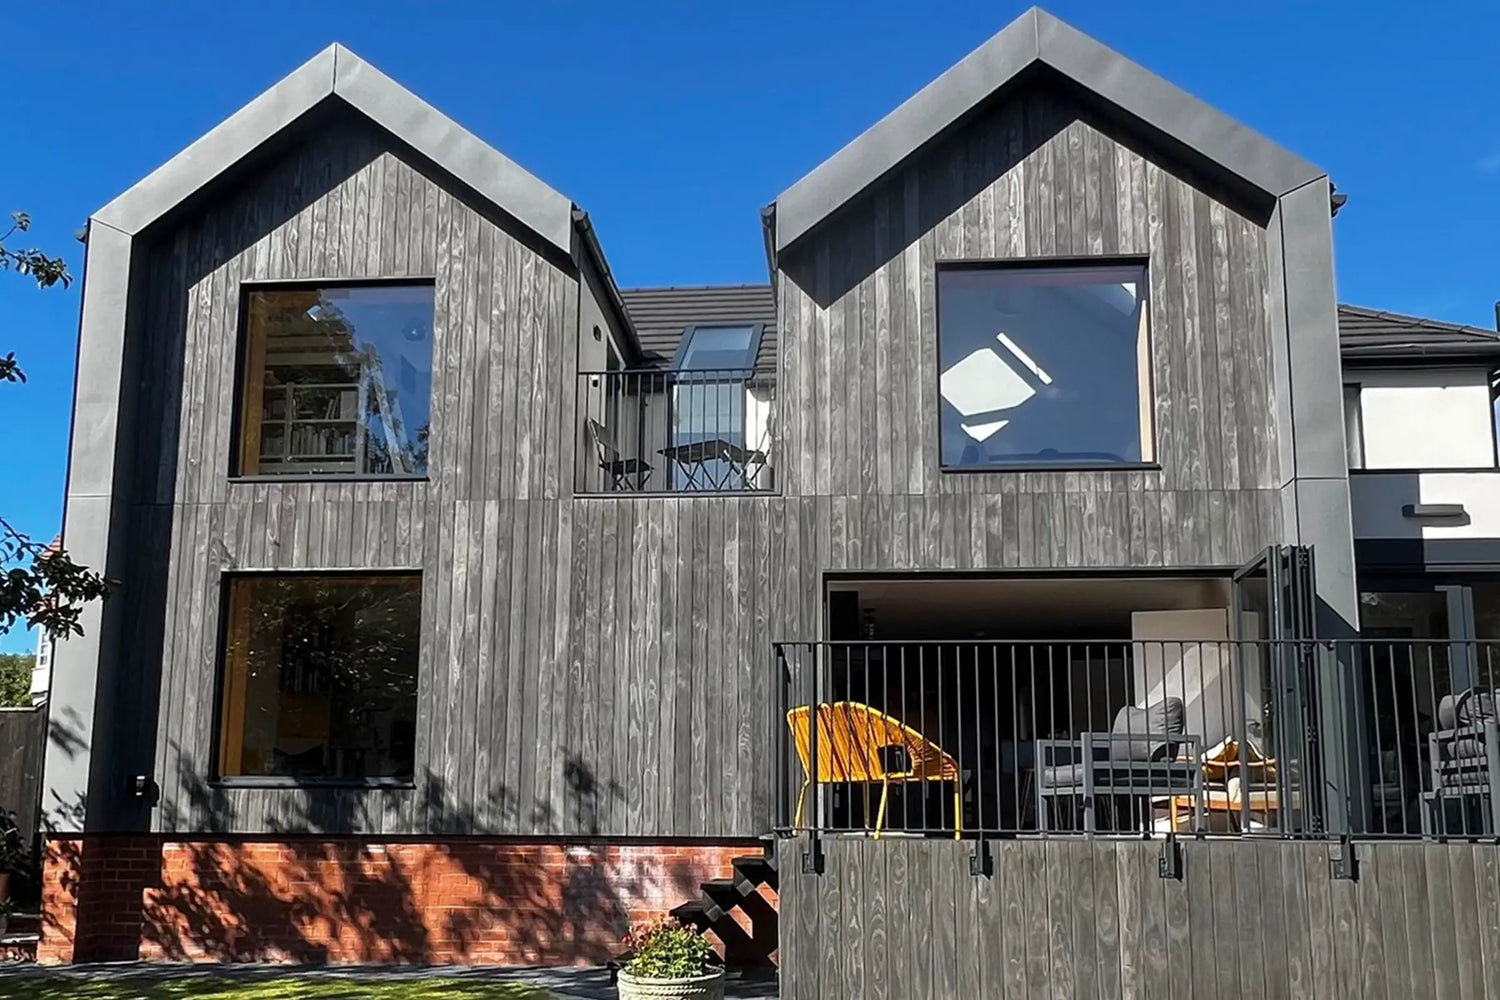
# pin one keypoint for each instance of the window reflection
(1043, 366)
(320, 676)
(337, 381)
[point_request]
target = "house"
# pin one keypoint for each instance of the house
(41, 669)
(473, 607)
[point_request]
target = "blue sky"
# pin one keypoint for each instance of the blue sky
(673, 123)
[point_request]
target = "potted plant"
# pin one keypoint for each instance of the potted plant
(670, 960)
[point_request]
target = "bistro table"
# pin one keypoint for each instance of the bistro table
(695, 460)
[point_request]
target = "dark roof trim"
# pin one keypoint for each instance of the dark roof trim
(589, 241)
(1034, 39)
(1370, 338)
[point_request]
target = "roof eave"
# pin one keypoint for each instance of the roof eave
(1036, 38)
(589, 239)
(1421, 355)
(337, 72)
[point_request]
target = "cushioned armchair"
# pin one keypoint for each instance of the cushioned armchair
(1464, 761)
(1146, 755)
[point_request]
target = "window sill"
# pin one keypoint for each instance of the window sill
(1426, 470)
(396, 784)
(955, 470)
(328, 478)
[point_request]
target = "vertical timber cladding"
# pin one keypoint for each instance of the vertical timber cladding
(589, 666)
(1071, 917)
(1031, 177)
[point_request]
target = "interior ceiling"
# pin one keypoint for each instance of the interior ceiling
(1036, 608)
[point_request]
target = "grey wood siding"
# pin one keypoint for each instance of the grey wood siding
(1036, 177)
(587, 666)
(1076, 918)
(602, 665)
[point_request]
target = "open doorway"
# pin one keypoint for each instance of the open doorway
(983, 674)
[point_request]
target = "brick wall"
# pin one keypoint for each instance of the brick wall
(353, 900)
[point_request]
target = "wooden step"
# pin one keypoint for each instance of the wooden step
(755, 871)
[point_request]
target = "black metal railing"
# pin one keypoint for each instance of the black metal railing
(1298, 739)
(669, 431)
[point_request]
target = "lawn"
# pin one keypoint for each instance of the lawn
(278, 987)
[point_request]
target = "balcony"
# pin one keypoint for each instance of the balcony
(1139, 738)
(654, 431)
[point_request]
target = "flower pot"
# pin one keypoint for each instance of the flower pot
(709, 987)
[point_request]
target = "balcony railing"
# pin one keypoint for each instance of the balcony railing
(668, 431)
(1366, 738)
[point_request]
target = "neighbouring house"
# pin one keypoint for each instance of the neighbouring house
(41, 669)
(1041, 585)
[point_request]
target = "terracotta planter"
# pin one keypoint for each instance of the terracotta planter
(709, 987)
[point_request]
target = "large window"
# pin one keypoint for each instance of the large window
(320, 676)
(336, 381)
(1043, 366)
(709, 448)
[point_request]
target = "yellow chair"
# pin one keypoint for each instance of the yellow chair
(851, 737)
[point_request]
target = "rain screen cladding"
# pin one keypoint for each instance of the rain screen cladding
(1043, 366)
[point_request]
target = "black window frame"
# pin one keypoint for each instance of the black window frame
(1146, 373)
(216, 777)
(241, 373)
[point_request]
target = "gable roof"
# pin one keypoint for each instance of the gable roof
(1369, 336)
(1035, 39)
(661, 315)
(337, 73)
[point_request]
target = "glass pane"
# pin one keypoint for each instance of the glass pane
(1043, 366)
(338, 381)
(709, 414)
(710, 347)
(1354, 442)
(320, 676)
(1387, 615)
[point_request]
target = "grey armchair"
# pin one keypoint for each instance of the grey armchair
(1464, 762)
(1145, 755)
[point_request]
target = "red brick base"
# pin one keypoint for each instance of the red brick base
(352, 900)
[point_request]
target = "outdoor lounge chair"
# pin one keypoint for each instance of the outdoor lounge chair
(1464, 758)
(860, 745)
(1239, 784)
(626, 474)
(1145, 755)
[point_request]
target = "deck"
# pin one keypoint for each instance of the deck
(904, 919)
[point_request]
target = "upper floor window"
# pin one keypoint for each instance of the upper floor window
(336, 381)
(711, 400)
(1043, 366)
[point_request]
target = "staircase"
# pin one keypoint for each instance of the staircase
(740, 911)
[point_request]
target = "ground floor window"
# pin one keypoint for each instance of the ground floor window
(320, 676)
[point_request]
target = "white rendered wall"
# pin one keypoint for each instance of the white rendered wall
(1377, 499)
(1430, 419)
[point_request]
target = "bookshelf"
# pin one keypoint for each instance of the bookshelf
(313, 426)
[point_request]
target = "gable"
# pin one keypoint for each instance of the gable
(337, 76)
(1036, 43)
